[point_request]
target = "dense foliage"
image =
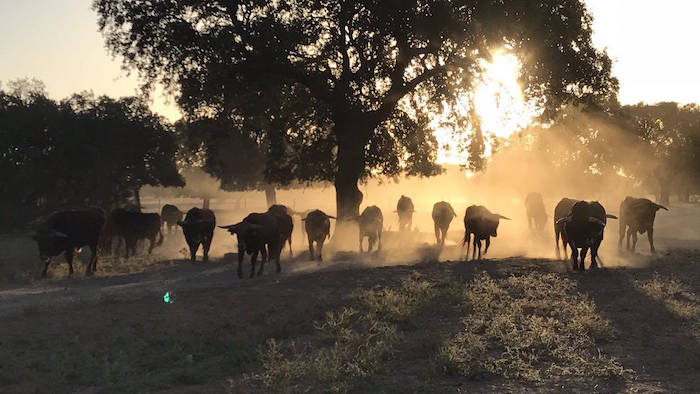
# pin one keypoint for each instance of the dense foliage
(341, 90)
(82, 151)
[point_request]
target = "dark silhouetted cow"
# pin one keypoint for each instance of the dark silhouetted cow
(257, 234)
(134, 226)
(65, 231)
(584, 228)
(318, 228)
(442, 217)
(371, 223)
(637, 216)
(562, 210)
(536, 215)
(285, 224)
(198, 228)
(405, 209)
(483, 224)
(170, 214)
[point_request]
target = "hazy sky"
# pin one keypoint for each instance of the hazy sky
(652, 43)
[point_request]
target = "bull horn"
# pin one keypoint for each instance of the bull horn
(331, 217)
(609, 216)
(658, 206)
(596, 220)
(60, 234)
(564, 219)
(503, 217)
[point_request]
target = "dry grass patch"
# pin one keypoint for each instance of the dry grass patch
(534, 327)
(676, 296)
(350, 344)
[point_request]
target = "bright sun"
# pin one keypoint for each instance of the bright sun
(499, 102)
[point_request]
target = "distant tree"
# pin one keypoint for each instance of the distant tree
(368, 73)
(82, 151)
(228, 153)
(671, 133)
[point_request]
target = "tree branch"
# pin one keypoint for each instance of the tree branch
(398, 91)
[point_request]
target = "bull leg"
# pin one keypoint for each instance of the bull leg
(379, 243)
(582, 264)
(574, 257)
(474, 248)
(253, 259)
(319, 245)
(290, 246)
(46, 268)
(277, 261)
(437, 234)
(312, 256)
(361, 251)
(650, 236)
(265, 255)
(69, 259)
(153, 243)
(594, 255)
(193, 250)
(467, 241)
(241, 254)
(556, 241)
(629, 236)
(479, 245)
(488, 243)
(621, 234)
(634, 240)
(92, 267)
(206, 245)
(370, 246)
(131, 247)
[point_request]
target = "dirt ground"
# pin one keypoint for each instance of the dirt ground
(352, 324)
(116, 333)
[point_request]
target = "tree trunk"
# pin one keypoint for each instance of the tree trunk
(350, 162)
(270, 195)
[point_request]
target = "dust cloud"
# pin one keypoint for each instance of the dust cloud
(532, 161)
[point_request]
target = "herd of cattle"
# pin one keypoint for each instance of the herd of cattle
(578, 224)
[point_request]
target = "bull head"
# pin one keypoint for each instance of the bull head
(657, 206)
(50, 243)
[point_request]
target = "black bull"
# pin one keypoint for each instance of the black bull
(584, 228)
(65, 231)
(256, 234)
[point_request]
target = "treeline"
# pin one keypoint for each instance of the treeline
(81, 151)
(643, 149)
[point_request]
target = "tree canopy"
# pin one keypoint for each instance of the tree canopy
(84, 150)
(344, 89)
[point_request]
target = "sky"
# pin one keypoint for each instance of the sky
(652, 44)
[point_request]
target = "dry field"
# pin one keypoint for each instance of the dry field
(355, 323)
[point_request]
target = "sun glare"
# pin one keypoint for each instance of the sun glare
(499, 102)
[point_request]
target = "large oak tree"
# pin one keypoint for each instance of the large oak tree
(370, 72)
